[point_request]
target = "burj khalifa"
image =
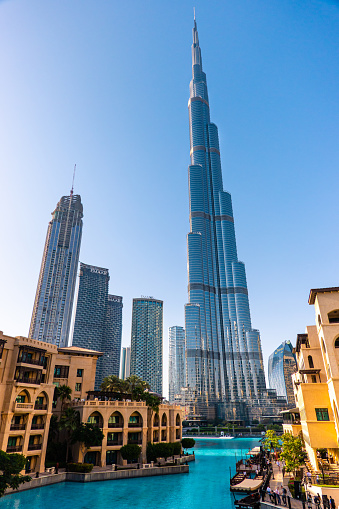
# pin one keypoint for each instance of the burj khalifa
(224, 364)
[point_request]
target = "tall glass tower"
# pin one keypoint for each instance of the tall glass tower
(176, 364)
(52, 311)
(224, 365)
(281, 366)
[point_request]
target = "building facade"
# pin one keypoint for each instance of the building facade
(224, 365)
(147, 341)
(177, 363)
(125, 368)
(52, 311)
(316, 382)
(98, 320)
(281, 366)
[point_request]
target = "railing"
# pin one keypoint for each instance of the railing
(17, 426)
(135, 424)
(38, 426)
(22, 406)
(115, 425)
(14, 448)
(40, 406)
(156, 439)
(27, 380)
(114, 442)
(34, 362)
(34, 447)
(139, 441)
(109, 403)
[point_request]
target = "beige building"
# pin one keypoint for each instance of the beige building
(316, 383)
(29, 372)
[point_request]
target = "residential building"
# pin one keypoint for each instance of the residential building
(224, 364)
(316, 383)
(125, 368)
(29, 372)
(146, 341)
(52, 311)
(98, 320)
(176, 368)
(281, 366)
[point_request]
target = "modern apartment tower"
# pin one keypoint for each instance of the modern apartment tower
(98, 320)
(176, 368)
(52, 311)
(224, 368)
(146, 341)
(125, 368)
(281, 366)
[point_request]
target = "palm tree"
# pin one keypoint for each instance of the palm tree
(69, 421)
(64, 394)
(113, 383)
(137, 386)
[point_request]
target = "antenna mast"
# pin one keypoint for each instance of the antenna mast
(75, 167)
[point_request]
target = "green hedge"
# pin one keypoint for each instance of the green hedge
(84, 468)
(162, 450)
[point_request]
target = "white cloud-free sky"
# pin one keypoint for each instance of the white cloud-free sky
(105, 85)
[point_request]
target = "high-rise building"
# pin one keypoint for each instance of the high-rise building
(146, 341)
(125, 368)
(281, 366)
(98, 320)
(52, 311)
(224, 368)
(176, 367)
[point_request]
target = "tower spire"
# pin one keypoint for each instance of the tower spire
(75, 167)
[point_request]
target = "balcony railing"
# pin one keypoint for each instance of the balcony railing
(22, 407)
(115, 425)
(114, 442)
(135, 425)
(34, 447)
(34, 362)
(17, 426)
(138, 441)
(28, 380)
(156, 439)
(40, 406)
(14, 448)
(41, 425)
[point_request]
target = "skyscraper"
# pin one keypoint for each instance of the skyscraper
(53, 303)
(176, 368)
(146, 341)
(281, 366)
(98, 320)
(223, 353)
(125, 368)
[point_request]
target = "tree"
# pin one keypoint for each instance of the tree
(87, 435)
(10, 468)
(130, 452)
(293, 452)
(271, 440)
(152, 400)
(188, 443)
(69, 421)
(137, 386)
(64, 394)
(113, 383)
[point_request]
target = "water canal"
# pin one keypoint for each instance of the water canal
(205, 487)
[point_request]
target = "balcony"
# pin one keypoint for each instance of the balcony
(14, 448)
(28, 380)
(115, 425)
(34, 447)
(135, 425)
(40, 406)
(114, 442)
(22, 407)
(15, 427)
(32, 362)
(138, 441)
(41, 425)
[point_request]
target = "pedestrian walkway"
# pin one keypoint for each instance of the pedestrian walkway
(280, 481)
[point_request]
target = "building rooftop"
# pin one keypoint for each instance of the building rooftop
(79, 350)
(314, 292)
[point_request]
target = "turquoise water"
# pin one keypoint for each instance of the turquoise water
(205, 487)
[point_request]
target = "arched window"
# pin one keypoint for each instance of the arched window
(310, 361)
(336, 343)
(333, 316)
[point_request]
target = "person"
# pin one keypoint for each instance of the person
(309, 501)
(317, 479)
(283, 470)
(317, 500)
(276, 491)
(269, 492)
(284, 493)
(332, 503)
(278, 465)
(57, 468)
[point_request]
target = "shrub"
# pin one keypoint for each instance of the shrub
(84, 468)
(130, 452)
(188, 443)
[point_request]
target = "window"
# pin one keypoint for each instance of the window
(310, 361)
(78, 387)
(322, 414)
(314, 379)
(20, 399)
(333, 316)
(336, 343)
(80, 373)
(12, 442)
(61, 371)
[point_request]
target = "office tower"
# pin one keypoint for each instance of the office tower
(224, 367)
(53, 303)
(98, 320)
(176, 368)
(146, 341)
(281, 366)
(125, 368)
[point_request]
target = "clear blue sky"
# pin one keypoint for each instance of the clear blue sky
(105, 85)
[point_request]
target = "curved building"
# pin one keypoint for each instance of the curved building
(281, 366)
(224, 365)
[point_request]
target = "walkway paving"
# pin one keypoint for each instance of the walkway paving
(277, 480)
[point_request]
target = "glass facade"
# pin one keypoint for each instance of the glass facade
(223, 353)
(281, 365)
(52, 311)
(98, 320)
(176, 369)
(146, 341)
(125, 368)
